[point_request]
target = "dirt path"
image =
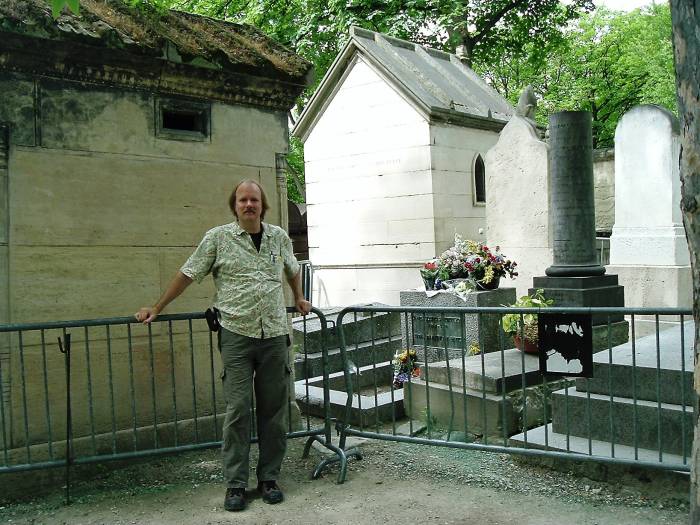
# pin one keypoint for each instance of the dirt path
(392, 484)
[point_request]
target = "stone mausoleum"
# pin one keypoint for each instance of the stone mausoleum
(123, 132)
(394, 144)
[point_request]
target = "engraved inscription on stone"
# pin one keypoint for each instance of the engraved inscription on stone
(572, 198)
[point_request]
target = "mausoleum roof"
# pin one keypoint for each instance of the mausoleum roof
(436, 83)
(118, 33)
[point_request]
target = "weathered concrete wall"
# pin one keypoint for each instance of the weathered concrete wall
(102, 213)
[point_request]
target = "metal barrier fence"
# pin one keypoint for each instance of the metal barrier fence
(89, 391)
(470, 389)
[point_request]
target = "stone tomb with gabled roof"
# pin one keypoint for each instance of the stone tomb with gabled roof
(123, 131)
(394, 143)
(127, 129)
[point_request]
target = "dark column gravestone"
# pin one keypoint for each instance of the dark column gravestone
(576, 278)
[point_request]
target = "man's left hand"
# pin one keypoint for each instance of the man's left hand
(303, 306)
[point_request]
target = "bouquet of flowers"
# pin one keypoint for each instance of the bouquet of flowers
(484, 265)
(405, 366)
(471, 260)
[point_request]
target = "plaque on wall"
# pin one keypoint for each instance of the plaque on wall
(566, 344)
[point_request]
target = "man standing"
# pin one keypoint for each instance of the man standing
(247, 259)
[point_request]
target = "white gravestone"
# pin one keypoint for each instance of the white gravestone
(517, 210)
(648, 248)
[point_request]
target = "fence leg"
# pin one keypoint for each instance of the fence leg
(69, 426)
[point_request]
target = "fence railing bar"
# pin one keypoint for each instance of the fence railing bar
(523, 384)
(25, 411)
(3, 421)
(88, 374)
(426, 373)
(47, 408)
(132, 389)
(502, 350)
(450, 426)
(610, 390)
(589, 410)
(212, 377)
(409, 335)
(171, 346)
(683, 440)
(110, 379)
(635, 434)
(194, 381)
(151, 365)
(307, 373)
(532, 452)
(659, 439)
(373, 353)
(480, 340)
(463, 335)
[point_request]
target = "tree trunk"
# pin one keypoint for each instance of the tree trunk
(686, 47)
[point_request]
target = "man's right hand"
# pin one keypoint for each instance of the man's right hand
(147, 314)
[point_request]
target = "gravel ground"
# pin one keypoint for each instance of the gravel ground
(393, 482)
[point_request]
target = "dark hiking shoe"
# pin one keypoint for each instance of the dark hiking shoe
(235, 499)
(271, 493)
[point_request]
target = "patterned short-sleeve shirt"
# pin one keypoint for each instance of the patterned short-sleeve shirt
(249, 284)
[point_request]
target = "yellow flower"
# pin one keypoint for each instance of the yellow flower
(488, 275)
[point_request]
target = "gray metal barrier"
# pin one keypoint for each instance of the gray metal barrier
(445, 388)
(87, 391)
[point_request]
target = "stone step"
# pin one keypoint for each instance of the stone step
(360, 328)
(673, 383)
(486, 413)
(571, 409)
(367, 409)
(545, 438)
(361, 354)
(490, 372)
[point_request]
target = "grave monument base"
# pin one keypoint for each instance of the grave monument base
(593, 291)
(483, 331)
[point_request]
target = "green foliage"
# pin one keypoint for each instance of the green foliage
(295, 175)
(612, 62)
(605, 63)
(512, 323)
(58, 5)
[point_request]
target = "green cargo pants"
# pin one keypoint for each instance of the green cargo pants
(261, 363)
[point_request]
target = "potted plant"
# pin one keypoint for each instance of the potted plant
(525, 325)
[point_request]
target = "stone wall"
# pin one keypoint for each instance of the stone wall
(102, 212)
(604, 189)
(368, 191)
(453, 154)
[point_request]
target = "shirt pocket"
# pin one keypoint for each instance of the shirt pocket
(274, 262)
